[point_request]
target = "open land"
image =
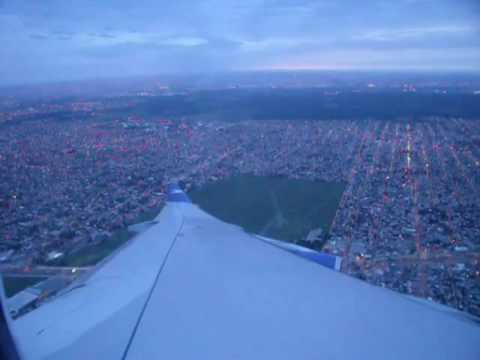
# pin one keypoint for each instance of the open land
(275, 207)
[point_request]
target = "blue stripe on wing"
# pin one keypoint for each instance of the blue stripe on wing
(176, 194)
(328, 260)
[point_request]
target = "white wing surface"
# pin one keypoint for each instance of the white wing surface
(194, 287)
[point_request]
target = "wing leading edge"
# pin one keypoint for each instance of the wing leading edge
(194, 287)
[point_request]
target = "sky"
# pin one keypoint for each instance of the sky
(60, 40)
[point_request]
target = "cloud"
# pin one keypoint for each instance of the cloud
(184, 41)
(415, 33)
(392, 59)
(105, 35)
(38, 36)
(58, 39)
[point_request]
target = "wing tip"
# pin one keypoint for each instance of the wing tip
(330, 261)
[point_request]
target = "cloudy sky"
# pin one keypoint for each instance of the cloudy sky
(52, 40)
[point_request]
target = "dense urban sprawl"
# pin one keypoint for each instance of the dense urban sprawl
(408, 219)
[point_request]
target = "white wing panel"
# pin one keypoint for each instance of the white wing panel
(226, 295)
(98, 314)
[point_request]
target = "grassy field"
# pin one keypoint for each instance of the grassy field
(16, 284)
(91, 255)
(276, 207)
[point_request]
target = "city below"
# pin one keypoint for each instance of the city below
(78, 169)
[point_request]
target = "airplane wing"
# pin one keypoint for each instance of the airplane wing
(194, 287)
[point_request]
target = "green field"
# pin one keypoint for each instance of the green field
(91, 255)
(15, 284)
(276, 207)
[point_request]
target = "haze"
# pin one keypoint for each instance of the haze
(56, 40)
